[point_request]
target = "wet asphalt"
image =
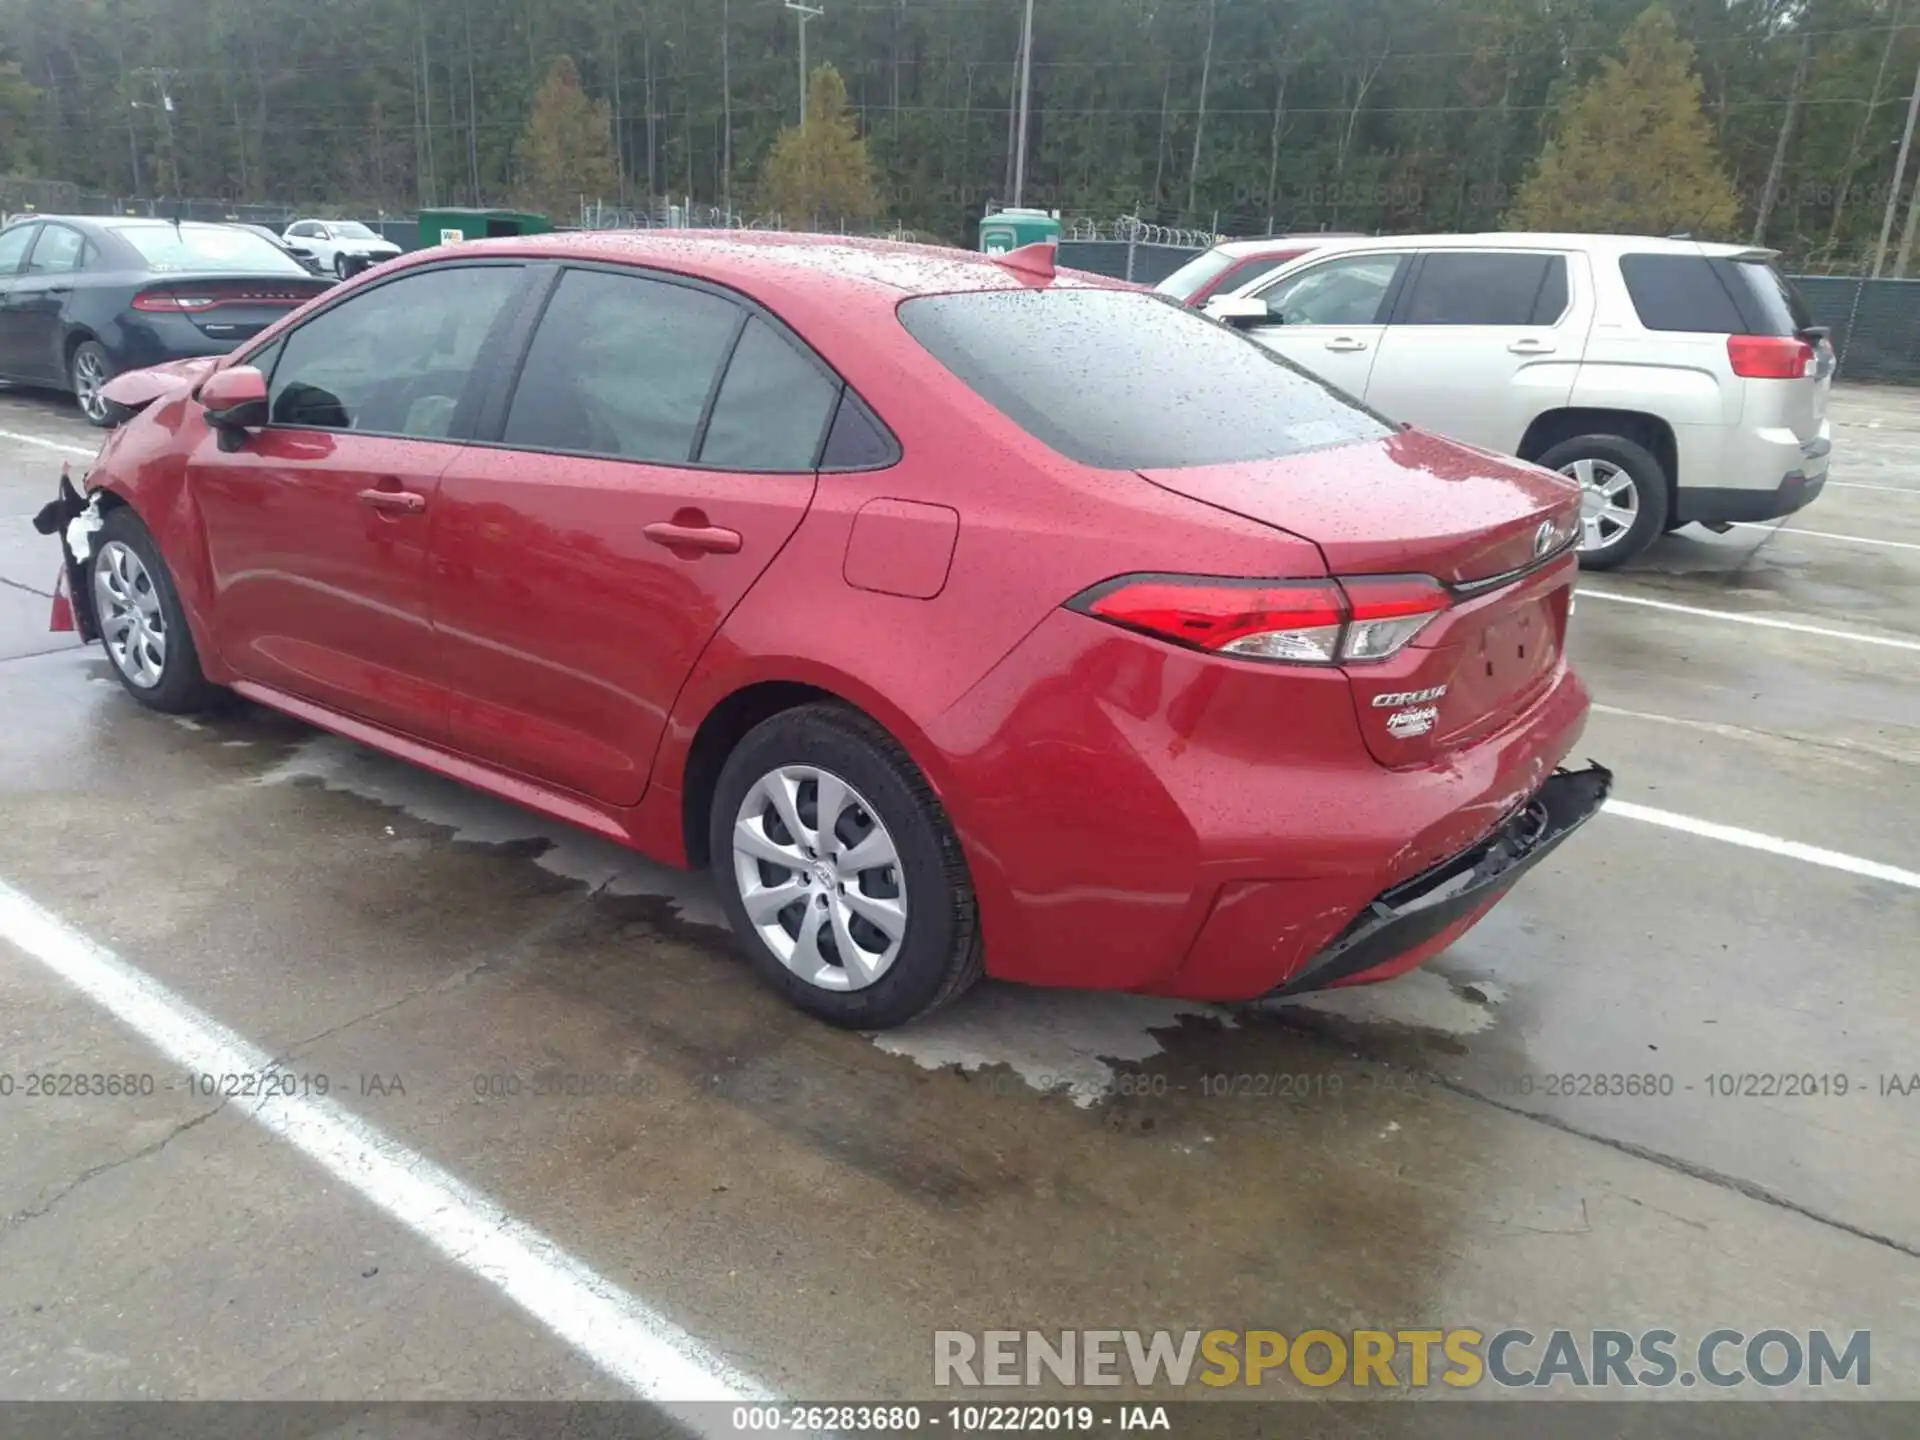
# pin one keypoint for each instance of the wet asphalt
(812, 1205)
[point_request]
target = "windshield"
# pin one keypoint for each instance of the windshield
(1194, 276)
(1129, 381)
(189, 248)
(352, 230)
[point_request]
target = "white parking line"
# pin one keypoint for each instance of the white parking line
(1862, 485)
(1772, 844)
(46, 444)
(1825, 535)
(626, 1338)
(1766, 621)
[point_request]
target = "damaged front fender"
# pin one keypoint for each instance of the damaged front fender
(74, 519)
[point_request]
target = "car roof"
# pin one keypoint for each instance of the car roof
(1550, 240)
(888, 270)
(1267, 244)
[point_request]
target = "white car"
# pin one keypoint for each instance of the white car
(342, 246)
(1676, 381)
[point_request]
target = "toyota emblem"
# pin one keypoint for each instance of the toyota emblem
(1544, 537)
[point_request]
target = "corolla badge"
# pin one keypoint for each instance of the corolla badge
(1406, 724)
(1408, 697)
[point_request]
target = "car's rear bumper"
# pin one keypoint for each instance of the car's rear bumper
(1139, 817)
(1435, 903)
(1762, 473)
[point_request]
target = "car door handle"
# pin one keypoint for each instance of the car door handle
(1346, 344)
(1531, 347)
(394, 502)
(697, 539)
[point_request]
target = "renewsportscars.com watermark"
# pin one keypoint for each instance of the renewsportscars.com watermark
(1458, 1358)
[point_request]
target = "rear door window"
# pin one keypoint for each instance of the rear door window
(623, 366)
(61, 250)
(773, 406)
(1125, 380)
(1482, 288)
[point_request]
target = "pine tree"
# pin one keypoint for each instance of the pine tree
(1635, 152)
(566, 151)
(820, 172)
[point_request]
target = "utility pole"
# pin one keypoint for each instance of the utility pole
(1026, 85)
(165, 106)
(805, 12)
(1899, 175)
(726, 116)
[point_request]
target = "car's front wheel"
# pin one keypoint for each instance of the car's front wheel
(141, 622)
(88, 373)
(839, 871)
(1623, 496)
(342, 267)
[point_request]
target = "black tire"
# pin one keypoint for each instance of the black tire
(941, 952)
(342, 268)
(183, 688)
(1650, 493)
(88, 368)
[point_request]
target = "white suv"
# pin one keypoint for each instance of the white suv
(342, 246)
(1676, 381)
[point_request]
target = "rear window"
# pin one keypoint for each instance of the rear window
(1772, 305)
(191, 248)
(1125, 381)
(1713, 296)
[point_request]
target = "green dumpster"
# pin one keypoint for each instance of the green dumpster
(449, 227)
(1006, 230)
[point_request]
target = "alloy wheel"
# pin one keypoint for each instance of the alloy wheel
(89, 379)
(1609, 502)
(132, 623)
(820, 877)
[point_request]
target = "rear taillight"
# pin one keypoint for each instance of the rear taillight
(1770, 357)
(1298, 622)
(165, 302)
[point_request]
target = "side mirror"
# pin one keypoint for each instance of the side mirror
(236, 402)
(1241, 312)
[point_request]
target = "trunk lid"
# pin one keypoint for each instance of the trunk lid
(1416, 504)
(232, 308)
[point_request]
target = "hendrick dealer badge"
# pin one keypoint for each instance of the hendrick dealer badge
(1406, 724)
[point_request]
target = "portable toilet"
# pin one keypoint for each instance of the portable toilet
(1006, 230)
(449, 227)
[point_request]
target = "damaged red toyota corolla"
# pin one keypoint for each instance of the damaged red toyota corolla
(962, 616)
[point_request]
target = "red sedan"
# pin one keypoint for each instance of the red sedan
(962, 616)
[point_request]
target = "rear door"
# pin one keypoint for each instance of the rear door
(14, 245)
(40, 297)
(1329, 317)
(316, 528)
(1481, 341)
(657, 450)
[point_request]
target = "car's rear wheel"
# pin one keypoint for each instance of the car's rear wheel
(839, 871)
(141, 623)
(88, 373)
(1623, 496)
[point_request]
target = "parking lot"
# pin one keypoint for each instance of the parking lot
(568, 1147)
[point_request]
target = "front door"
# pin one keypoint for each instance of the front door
(1482, 341)
(658, 451)
(316, 528)
(1329, 317)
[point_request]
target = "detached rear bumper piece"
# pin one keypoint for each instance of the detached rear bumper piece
(1416, 911)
